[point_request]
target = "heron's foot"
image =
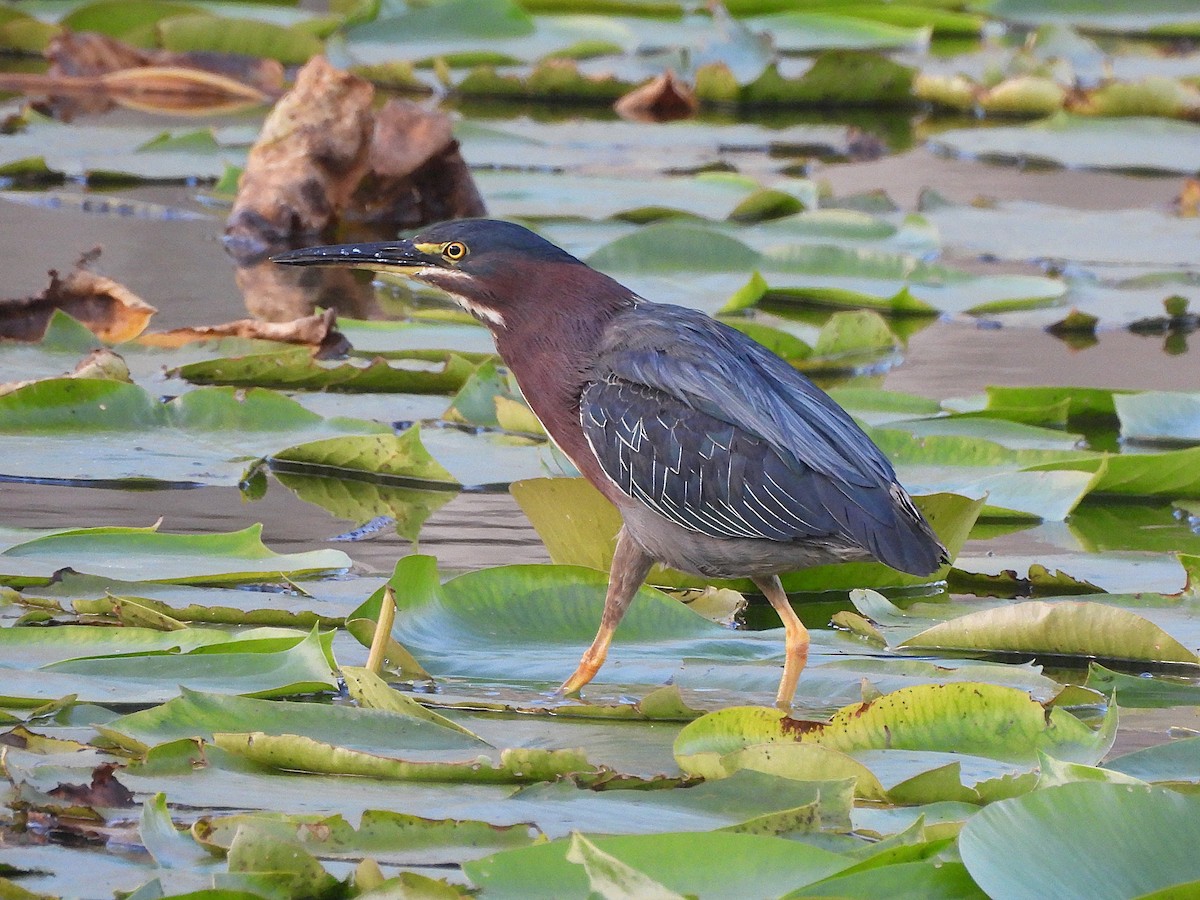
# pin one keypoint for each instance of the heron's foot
(795, 637)
(794, 660)
(588, 667)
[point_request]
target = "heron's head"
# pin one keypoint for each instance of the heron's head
(489, 267)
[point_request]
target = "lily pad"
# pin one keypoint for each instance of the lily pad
(1016, 848)
(150, 555)
(987, 720)
(400, 458)
(709, 863)
(97, 430)
(1128, 144)
(1068, 628)
(200, 715)
(425, 373)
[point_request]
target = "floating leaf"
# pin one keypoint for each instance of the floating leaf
(237, 667)
(1147, 144)
(1021, 847)
(1066, 628)
(303, 754)
(698, 863)
(51, 429)
(1174, 761)
(1142, 690)
(386, 836)
(170, 847)
(297, 370)
(219, 558)
(986, 720)
(400, 457)
(1159, 416)
(608, 876)
(200, 715)
(248, 37)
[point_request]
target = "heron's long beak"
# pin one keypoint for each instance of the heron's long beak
(390, 256)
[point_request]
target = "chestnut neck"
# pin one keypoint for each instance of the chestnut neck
(551, 345)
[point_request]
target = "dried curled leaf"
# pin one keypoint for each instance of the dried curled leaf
(417, 174)
(109, 309)
(315, 331)
(104, 790)
(664, 99)
(91, 72)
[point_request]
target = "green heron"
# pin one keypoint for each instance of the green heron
(723, 460)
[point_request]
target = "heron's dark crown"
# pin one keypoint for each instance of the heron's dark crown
(493, 238)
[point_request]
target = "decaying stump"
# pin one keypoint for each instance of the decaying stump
(306, 164)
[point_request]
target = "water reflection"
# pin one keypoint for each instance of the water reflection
(283, 293)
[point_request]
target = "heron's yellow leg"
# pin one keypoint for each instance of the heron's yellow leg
(630, 566)
(795, 638)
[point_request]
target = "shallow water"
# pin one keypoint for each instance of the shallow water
(180, 266)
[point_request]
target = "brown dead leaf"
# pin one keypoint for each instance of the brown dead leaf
(109, 309)
(90, 72)
(1187, 204)
(416, 173)
(315, 331)
(306, 163)
(664, 99)
(91, 53)
(104, 790)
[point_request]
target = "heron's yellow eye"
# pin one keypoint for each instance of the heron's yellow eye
(454, 251)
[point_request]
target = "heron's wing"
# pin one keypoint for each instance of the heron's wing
(720, 436)
(698, 471)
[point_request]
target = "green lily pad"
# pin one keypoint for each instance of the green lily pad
(1021, 847)
(986, 720)
(246, 37)
(930, 881)
(402, 458)
(1171, 417)
(299, 753)
(151, 555)
(1142, 691)
(1174, 761)
(237, 667)
(1133, 143)
(171, 848)
(388, 837)
(712, 864)
(1067, 628)
(200, 715)
(426, 373)
(53, 429)
(730, 804)
(94, 595)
